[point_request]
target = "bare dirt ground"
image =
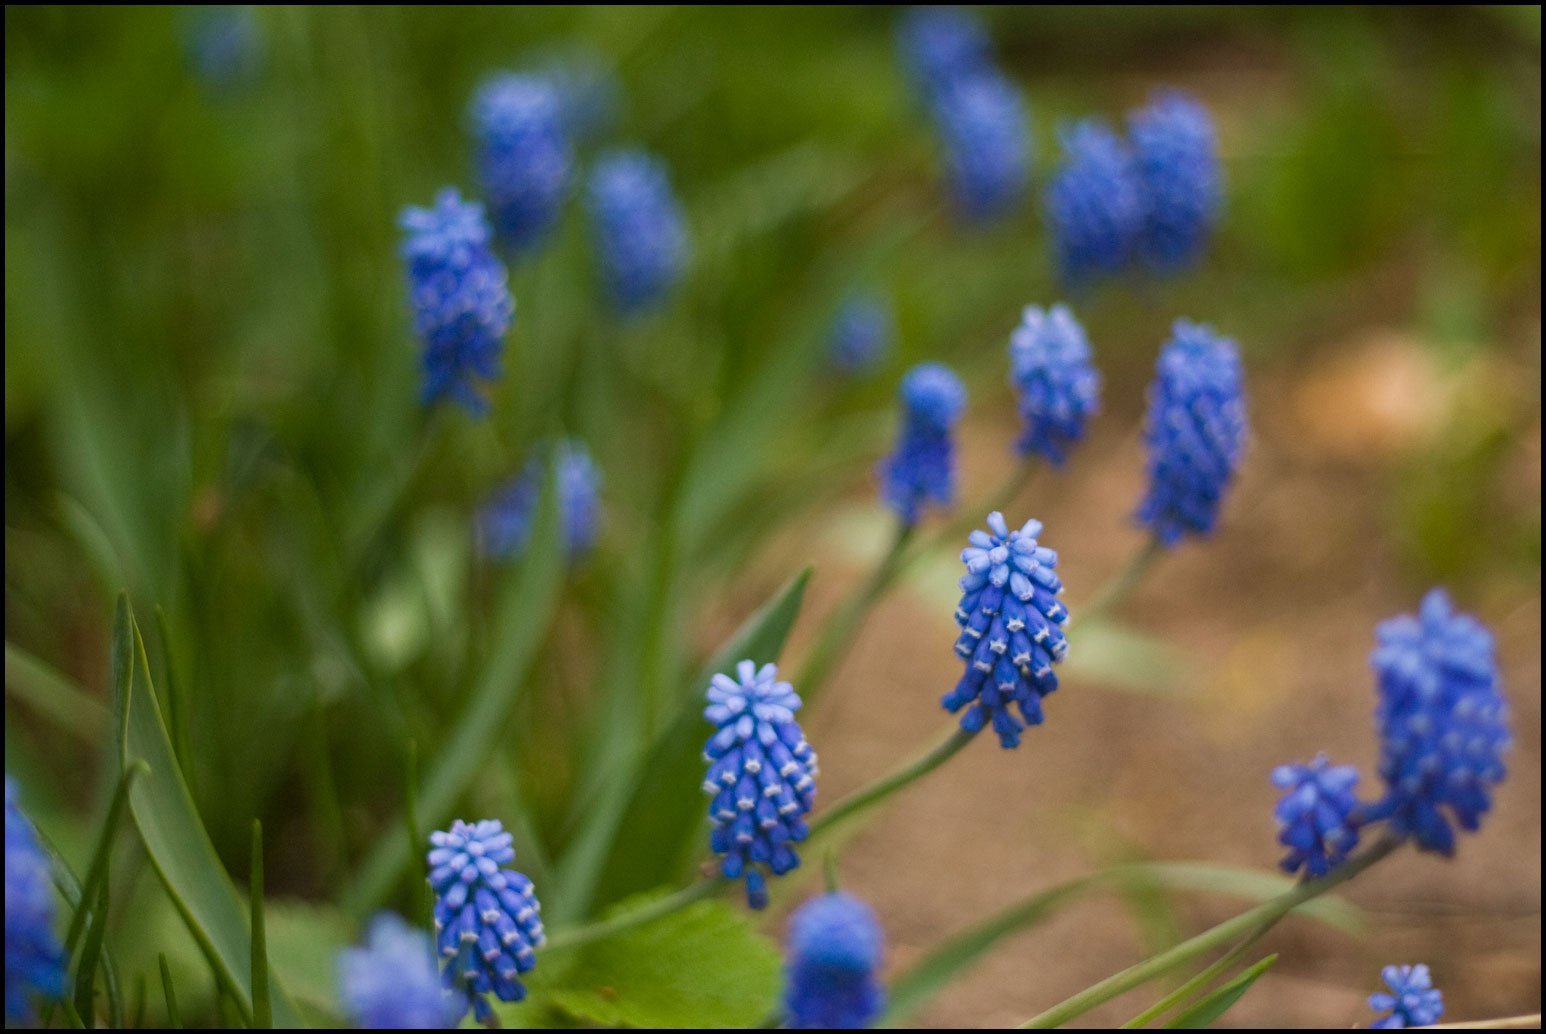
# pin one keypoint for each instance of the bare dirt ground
(1277, 616)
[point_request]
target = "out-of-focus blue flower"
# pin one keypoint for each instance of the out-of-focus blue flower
(1442, 720)
(940, 45)
(1176, 157)
(922, 468)
(1195, 432)
(1413, 1001)
(486, 916)
(504, 523)
(1316, 814)
(461, 297)
(392, 982)
(587, 88)
(835, 947)
(1093, 204)
(34, 960)
(762, 775)
(224, 44)
(1055, 381)
(641, 237)
(1011, 629)
(982, 120)
(524, 158)
(861, 333)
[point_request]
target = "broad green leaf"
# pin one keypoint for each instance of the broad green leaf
(175, 839)
(1216, 1004)
(703, 966)
(304, 940)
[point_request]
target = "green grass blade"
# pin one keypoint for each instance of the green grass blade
(91, 951)
(173, 1018)
(97, 873)
(69, 887)
(1207, 1011)
(53, 696)
(262, 1007)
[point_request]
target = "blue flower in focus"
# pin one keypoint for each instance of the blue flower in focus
(504, 523)
(1177, 162)
(940, 45)
(460, 295)
(1055, 381)
(486, 922)
(1195, 432)
(34, 960)
(392, 983)
(1011, 629)
(762, 775)
(861, 333)
(1316, 814)
(835, 947)
(641, 237)
(1413, 1001)
(1093, 204)
(987, 149)
(1442, 720)
(524, 159)
(922, 468)
(224, 44)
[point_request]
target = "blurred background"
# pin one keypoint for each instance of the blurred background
(212, 399)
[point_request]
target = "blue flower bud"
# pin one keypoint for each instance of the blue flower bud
(1413, 1001)
(1316, 815)
(1177, 163)
(835, 947)
(922, 468)
(641, 236)
(524, 159)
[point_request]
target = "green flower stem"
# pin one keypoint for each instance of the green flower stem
(1125, 580)
(868, 796)
(1196, 983)
(689, 894)
(840, 632)
(1255, 922)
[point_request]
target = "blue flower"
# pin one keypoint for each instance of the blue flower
(1442, 720)
(861, 333)
(34, 960)
(988, 151)
(1011, 629)
(1316, 814)
(1195, 432)
(835, 947)
(1055, 382)
(391, 983)
(1093, 204)
(524, 159)
(504, 523)
(486, 922)
(461, 299)
(762, 775)
(940, 45)
(922, 469)
(1177, 161)
(1413, 1001)
(587, 89)
(641, 238)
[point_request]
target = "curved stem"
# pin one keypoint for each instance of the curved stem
(840, 632)
(689, 894)
(1253, 922)
(883, 787)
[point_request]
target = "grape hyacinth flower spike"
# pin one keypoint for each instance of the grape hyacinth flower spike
(1412, 1001)
(460, 295)
(982, 120)
(486, 916)
(1442, 720)
(1011, 629)
(922, 468)
(1176, 158)
(1056, 384)
(391, 983)
(1093, 204)
(641, 236)
(504, 523)
(1317, 815)
(524, 159)
(941, 45)
(861, 333)
(762, 775)
(34, 959)
(835, 948)
(1195, 432)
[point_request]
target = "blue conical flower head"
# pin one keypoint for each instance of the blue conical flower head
(922, 468)
(1056, 384)
(504, 522)
(1011, 629)
(460, 296)
(861, 333)
(762, 776)
(1195, 432)
(588, 89)
(940, 45)
(1176, 156)
(1316, 814)
(1442, 720)
(34, 960)
(982, 120)
(392, 984)
(1093, 204)
(487, 925)
(1413, 1001)
(524, 158)
(641, 236)
(835, 948)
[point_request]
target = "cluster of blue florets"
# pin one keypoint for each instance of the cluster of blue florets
(640, 233)
(1056, 384)
(1412, 1000)
(1317, 814)
(34, 960)
(392, 982)
(525, 160)
(505, 522)
(921, 470)
(830, 980)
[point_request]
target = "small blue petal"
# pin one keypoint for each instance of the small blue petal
(1413, 1001)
